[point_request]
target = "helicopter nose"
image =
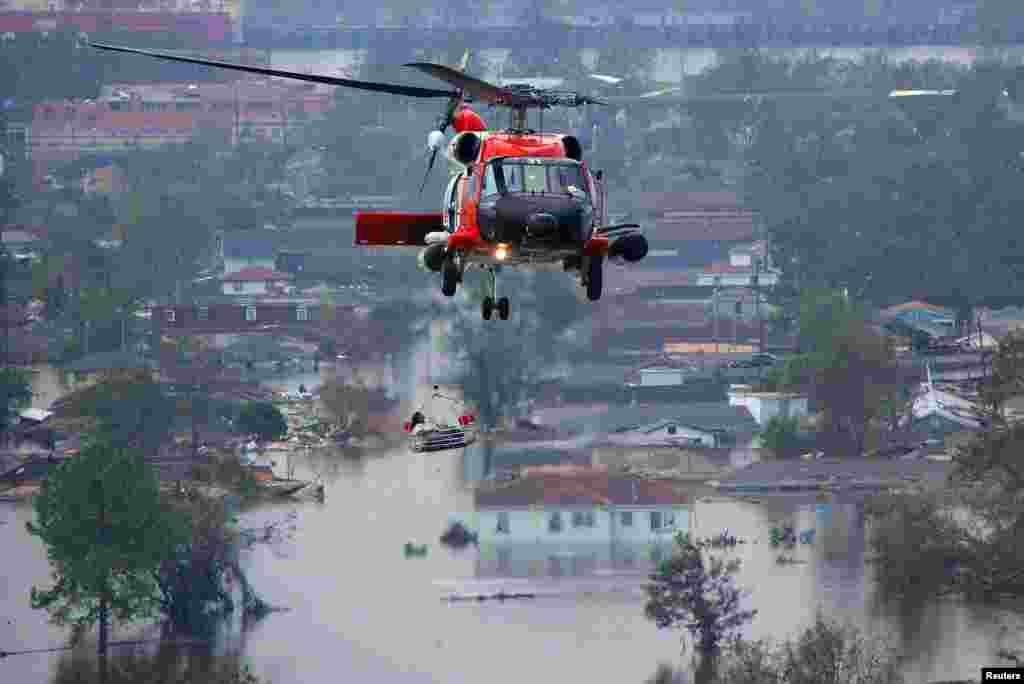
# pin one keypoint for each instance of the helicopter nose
(541, 224)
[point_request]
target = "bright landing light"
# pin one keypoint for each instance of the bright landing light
(501, 252)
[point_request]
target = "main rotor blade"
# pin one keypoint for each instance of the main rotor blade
(411, 91)
(482, 90)
(430, 166)
(659, 99)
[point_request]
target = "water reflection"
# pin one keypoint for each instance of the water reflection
(358, 610)
(158, 663)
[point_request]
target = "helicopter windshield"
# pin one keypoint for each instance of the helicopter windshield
(555, 176)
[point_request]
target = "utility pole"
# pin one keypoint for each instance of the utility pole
(757, 304)
(5, 264)
(714, 299)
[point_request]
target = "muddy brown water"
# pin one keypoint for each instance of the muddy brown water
(358, 610)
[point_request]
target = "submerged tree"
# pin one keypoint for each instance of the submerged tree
(106, 532)
(195, 582)
(697, 593)
(262, 419)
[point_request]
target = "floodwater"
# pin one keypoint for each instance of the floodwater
(358, 610)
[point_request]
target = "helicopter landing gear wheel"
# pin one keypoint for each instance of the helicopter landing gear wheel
(492, 301)
(595, 275)
(449, 277)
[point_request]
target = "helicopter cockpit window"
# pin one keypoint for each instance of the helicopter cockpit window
(490, 186)
(535, 175)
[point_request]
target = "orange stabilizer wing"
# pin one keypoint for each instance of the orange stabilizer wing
(395, 228)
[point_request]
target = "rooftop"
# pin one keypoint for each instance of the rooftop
(256, 274)
(701, 415)
(579, 487)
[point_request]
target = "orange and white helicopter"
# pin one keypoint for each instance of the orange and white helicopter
(517, 197)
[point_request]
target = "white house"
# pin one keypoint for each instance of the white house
(662, 377)
(728, 275)
(664, 432)
(255, 280)
(573, 521)
(239, 249)
(764, 406)
(943, 413)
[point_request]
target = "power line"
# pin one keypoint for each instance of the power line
(54, 649)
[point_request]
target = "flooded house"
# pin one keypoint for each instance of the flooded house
(573, 521)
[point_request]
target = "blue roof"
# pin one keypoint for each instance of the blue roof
(248, 244)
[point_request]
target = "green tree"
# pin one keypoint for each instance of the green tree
(697, 593)
(15, 395)
(850, 369)
(827, 652)
(781, 436)
(501, 361)
(106, 533)
(127, 407)
(262, 419)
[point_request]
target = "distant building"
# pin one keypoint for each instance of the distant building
(255, 280)
(764, 406)
(225, 317)
(108, 180)
(241, 249)
(126, 117)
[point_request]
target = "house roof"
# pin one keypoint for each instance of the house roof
(710, 416)
(256, 274)
(242, 244)
(580, 487)
(705, 227)
(728, 268)
(915, 306)
(112, 360)
(19, 236)
(669, 201)
(32, 471)
(35, 414)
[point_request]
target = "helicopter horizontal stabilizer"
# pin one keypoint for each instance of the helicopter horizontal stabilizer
(395, 228)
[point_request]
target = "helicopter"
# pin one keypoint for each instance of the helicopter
(518, 198)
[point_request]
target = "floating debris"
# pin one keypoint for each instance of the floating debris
(415, 550)
(458, 536)
(500, 596)
(787, 536)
